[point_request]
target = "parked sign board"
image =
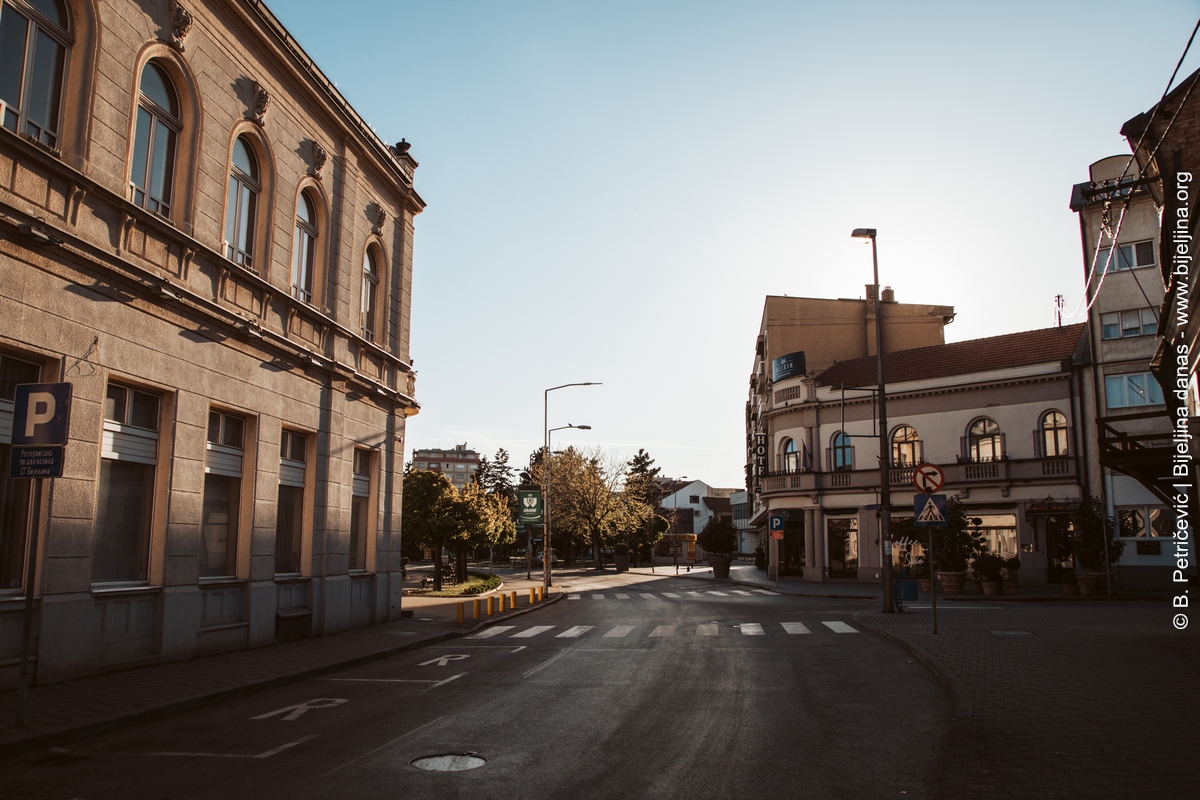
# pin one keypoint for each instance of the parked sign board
(530, 503)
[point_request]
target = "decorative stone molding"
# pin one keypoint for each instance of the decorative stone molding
(181, 24)
(380, 218)
(262, 99)
(401, 147)
(319, 157)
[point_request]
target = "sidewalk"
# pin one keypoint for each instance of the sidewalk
(1061, 699)
(73, 709)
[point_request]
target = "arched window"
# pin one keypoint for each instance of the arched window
(153, 170)
(843, 453)
(370, 294)
(791, 456)
(1054, 434)
(33, 52)
(906, 447)
(304, 249)
(984, 441)
(244, 186)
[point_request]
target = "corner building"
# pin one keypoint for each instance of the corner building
(201, 235)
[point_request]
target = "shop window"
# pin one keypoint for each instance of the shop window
(129, 456)
(34, 42)
(152, 174)
(360, 510)
(289, 512)
(14, 492)
(222, 495)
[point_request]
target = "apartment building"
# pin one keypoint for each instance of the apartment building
(204, 239)
(459, 465)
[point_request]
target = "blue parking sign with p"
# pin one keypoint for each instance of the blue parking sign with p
(776, 523)
(41, 414)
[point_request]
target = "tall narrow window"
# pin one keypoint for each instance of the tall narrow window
(360, 508)
(128, 456)
(33, 50)
(222, 493)
(984, 441)
(791, 456)
(14, 492)
(370, 292)
(906, 447)
(152, 173)
(241, 205)
(304, 249)
(1054, 434)
(289, 513)
(843, 454)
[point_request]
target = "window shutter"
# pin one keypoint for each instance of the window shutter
(123, 443)
(223, 460)
(291, 473)
(6, 419)
(362, 486)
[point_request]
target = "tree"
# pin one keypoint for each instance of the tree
(959, 541)
(718, 537)
(1096, 537)
(431, 514)
(486, 521)
(643, 492)
(498, 478)
(584, 499)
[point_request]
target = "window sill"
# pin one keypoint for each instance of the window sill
(290, 577)
(221, 580)
(124, 588)
(228, 627)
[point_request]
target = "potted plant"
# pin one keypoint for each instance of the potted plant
(955, 545)
(1011, 565)
(988, 567)
(621, 557)
(1097, 546)
(719, 540)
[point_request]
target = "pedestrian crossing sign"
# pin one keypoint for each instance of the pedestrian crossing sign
(929, 511)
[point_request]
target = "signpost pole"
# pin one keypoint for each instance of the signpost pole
(932, 582)
(929, 478)
(27, 622)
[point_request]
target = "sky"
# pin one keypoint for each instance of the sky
(613, 188)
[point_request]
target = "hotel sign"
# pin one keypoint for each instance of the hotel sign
(788, 366)
(758, 455)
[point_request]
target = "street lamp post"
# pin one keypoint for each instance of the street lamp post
(546, 472)
(547, 549)
(885, 489)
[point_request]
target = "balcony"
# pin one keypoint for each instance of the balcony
(958, 476)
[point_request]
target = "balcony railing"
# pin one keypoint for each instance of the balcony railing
(1033, 470)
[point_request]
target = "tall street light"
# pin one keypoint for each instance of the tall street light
(547, 549)
(885, 487)
(546, 488)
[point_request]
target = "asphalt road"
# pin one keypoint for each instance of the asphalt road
(634, 688)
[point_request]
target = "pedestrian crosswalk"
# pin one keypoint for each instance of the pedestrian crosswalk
(585, 593)
(666, 631)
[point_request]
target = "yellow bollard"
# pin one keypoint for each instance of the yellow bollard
(491, 605)
(502, 599)
(514, 600)
(478, 608)
(462, 613)
(532, 595)
(541, 593)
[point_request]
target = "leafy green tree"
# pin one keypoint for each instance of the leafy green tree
(1096, 536)
(718, 537)
(486, 521)
(584, 499)
(431, 515)
(959, 542)
(643, 492)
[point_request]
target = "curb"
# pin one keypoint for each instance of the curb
(781, 590)
(954, 779)
(68, 734)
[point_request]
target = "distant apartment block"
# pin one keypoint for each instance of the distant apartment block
(458, 465)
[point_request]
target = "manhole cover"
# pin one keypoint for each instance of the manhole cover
(449, 762)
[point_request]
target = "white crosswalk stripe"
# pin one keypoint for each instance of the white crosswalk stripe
(739, 591)
(597, 597)
(839, 627)
(719, 594)
(671, 594)
(529, 633)
(644, 594)
(572, 597)
(662, 630)
(707, 629)
(764, 591)
(695, 594)
(575, 632)
(752, 629)
(490, 632)
(622, 596)
(619, 632)
(795, 627)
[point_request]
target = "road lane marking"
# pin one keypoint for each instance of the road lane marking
(443, 683)
(287, 746)
(495, 630)
(299, 708)
(622, 596)
(547, 662)
(671, 594)
(529, 633)
(752, 629)
(575, 632)
(266, 754)
(695, 594)
(643, 594)
(442, 661)
(739, 591)
(839, 627)
(572, 597)
(718, 594)
(707, 629)
(620, 631)
(597, 597)
(377, 749)
(764, 591)
(795, 627)
(662, 630)
(379, 680)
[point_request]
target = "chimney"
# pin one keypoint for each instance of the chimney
(888, 296)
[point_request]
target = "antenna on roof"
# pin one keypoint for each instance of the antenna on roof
(1059, 302)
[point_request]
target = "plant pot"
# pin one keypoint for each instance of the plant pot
(1010, 575)
(720, 565)
(1010, 587)
(991, 587)
(1091, 583)
(978, 584)
(621, 563)
(952, 582)
(1071, 588)
(926, 584)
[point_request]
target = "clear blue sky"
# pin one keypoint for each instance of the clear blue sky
(614, 187)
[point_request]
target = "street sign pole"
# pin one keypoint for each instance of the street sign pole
(928, 478)
(27, 622)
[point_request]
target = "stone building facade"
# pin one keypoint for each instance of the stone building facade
(200, 235)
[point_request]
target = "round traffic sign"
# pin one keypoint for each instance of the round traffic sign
(929, 478)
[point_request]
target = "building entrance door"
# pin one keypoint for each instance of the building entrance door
(843, 547)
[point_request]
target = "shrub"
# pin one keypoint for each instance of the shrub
(719, 537)
(1093, 531)
(1012, 564)
(987, 567)
(480, 584)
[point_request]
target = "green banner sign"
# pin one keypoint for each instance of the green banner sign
(530, 503)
